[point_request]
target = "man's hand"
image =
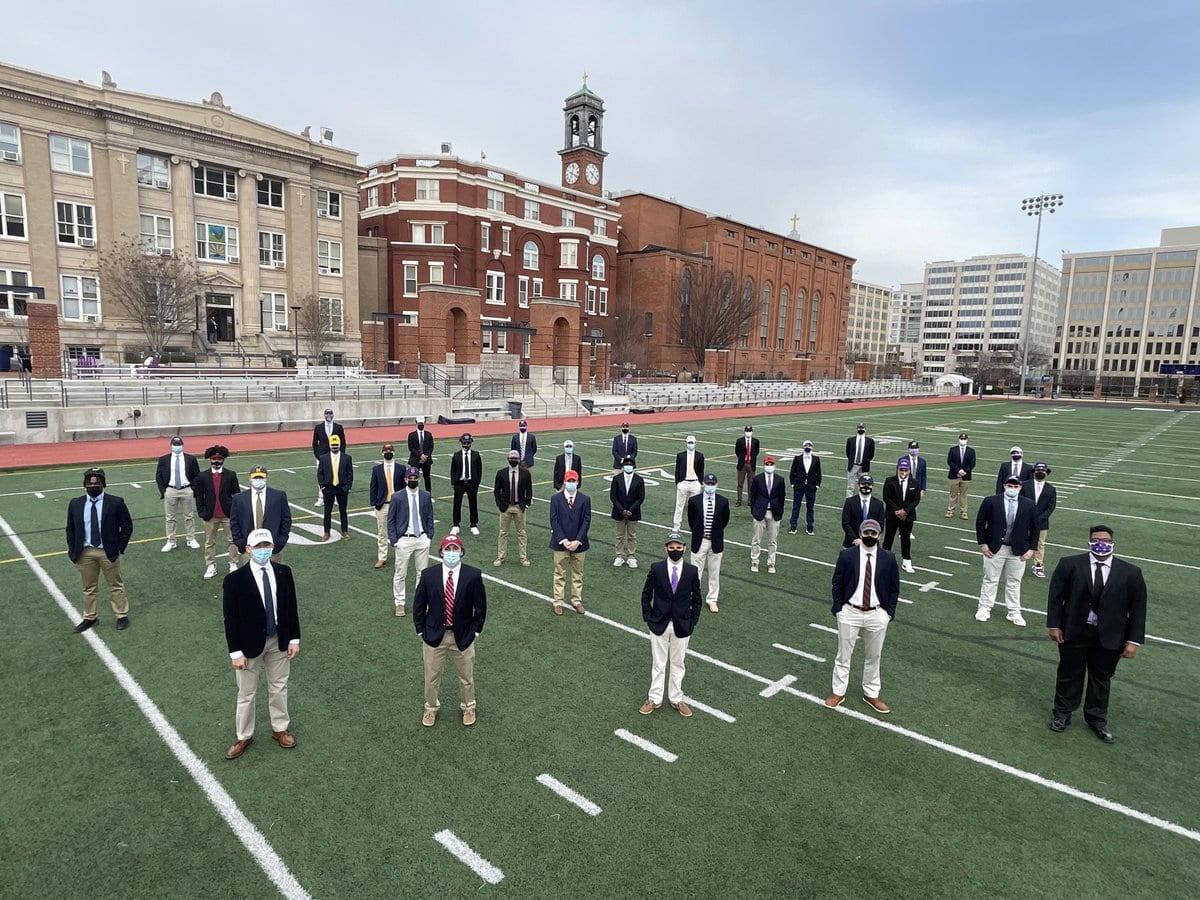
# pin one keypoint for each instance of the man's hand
(627, 514)
(901, 514)
(857, 541)
(1130, 651)
(239, 663)
(986, 550)
(922, 495)
(1056, 635)
(575, 545)
(1027, 555)
(962, 472)
(293, 651)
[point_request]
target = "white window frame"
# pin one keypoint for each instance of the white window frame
(533, 211)
(523, 291)
(9, 218)
(231, 243)
(493, 288)
(568, 290)
(485, 341)
(156, 171)
(568, 218)
(326, 306)
(265, 184)
(429, 190)
(329, 204)
(603, 305)
(69, 227)
(485, 237)
(437, 273)
(536, 257)
(410, 268)
(328, 267)
(228, 182)
(80, 297)
(152, 238)
(526, 345)
(495, 200)
(428, 233)
(600, 227)
(568, 254)
(10, 297)
(275, 304)
(590, 307)
(505, 240)
(501, 341)
(538, 284)
(276, 249)
(63, 153)
(598, 267)
(373, 196)
(10, 136)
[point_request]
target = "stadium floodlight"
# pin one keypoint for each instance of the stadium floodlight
(1033, 206)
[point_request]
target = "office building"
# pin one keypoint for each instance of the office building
(867, 322)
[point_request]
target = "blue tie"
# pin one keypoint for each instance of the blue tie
(269, 604)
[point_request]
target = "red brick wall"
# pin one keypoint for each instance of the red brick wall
(45, 348)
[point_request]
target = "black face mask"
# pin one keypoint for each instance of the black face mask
(1040, 476)
(514, 462)
(412, 484)
(1016, 457)
(675, 555)
(94, 490)
(420, 427)
(522, 430)
(389, 455)
(866, 492)
(217, 466)
(862, 431)
(869, 541)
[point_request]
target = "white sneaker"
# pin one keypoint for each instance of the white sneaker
(193, 544)
(168, 546)
(712, 607)
(771, 568)
(233, 567)
(631, 562)
(474, 529)
(754, 566)
(454, 530)
(211, 571)
(1017, 619)
(907, 566)
(319, 501)
(618, 562)
(982, 615)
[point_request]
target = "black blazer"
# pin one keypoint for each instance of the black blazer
(277, 518)
(246, 617)
(695, 517)
(894, 500)
(966, 462)
(116, 526)
(760, 502)
(202, 487)
(739, 450)
(320, 441)
(560, 468)
(632, 501)
(456, 470)
(500, 490)
(378, 488)
(885, 579)
(1006, 470)
(162, 474)
(990, 523)
(345, 472)
(868, 452)
(681, 465)
(852, 517)
(1043, 506)
(470, 606)
(661, 606)
(1122, 610)
(801, 479)
(530, 447)
(419, 442)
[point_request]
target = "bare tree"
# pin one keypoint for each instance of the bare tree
(629, 344)
(710, 311)
(157, 290)
(316, 326)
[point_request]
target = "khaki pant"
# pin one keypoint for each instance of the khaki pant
(381, 517)
(435, 661)
(851, 623)
(211, 527)
(708, 562)
(664, 648)
(91, 563)
(416, 549)
(626, 539)
(958, 495)
(563, 560)
(173, 498)
(516, 516)
(1012, 568)
(1039, 555)
(769, 525)
(277, 666)
(684, 491)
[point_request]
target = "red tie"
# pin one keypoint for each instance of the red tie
(747, 450)
(449, 597)
(866, 597)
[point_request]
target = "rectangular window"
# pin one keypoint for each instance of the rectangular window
(410, 279)
(211, 181)
(599, 226)
(506, 240)
(485, 237)
(568, 218)
(423, 233)
(157, 233)
(568, 254)
(12, 216)
(501, 341)
(10, 143)
(69, 154)
(523, 291)
(217, 243)
(274, 310)
(12, 303)
(537, 287)
(372, 196)
(569, 290)
(329, 204)
(154, 170)
(533, 211)
(494, 287)
(270, 250)
(495, 200)
(329, 257)
(80, 298)
(427, 189)
(436, 271)
(331, 309)
(76, 223)
(604, 301)
(526, 346)
(486, 343)
(270, 193)
(78, 353)
(591, 301)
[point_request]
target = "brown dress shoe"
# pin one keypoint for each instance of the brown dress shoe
(558, 609)
(577, 605)
(469, 715)
(876, 704)
(683, 708)
(833, 701)
(380, 563)
(284, 739)
(345, 535)
(326, 537)
(648, 708)
(237, 748)
(400, 610)
(429, 717)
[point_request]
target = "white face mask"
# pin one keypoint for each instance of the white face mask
(1011, 492)
(568, 450)
(571, 487)
(710, 489)
(770, 470)
(961, 442)
(258, 483)
(691, 445)
(628, 470)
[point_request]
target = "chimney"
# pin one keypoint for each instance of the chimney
(446, 149)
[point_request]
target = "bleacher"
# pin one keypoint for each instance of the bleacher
(768, 393)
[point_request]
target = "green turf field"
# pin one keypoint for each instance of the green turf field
(964, 792)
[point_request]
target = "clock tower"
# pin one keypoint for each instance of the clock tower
(583, 142)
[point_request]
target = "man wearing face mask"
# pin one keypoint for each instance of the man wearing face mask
(525, 443)
(805, 476)
(901, 496)
(708, 514)
(466, 472)
(745, 451)
(1045, 498)
(420, 450)
(860, 450)
(689, 472)
(1006, 531)
(513, 492)
(961, 463)
(410, 531)
(215, 489)
(322, 432)
(386, 479)
(858, 509)
(767, 498)
(624, 445)
(918, 468)
(1018, 467)
(1096, 613)
(567, 461)
(98, 531)
(627, 493)
(335, 474)
(260, 507)
(570, 519)
(670, 608)
(174, 476)
(866, 589)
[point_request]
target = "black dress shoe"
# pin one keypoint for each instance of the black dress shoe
(85, 625)
(1103, 733)
(122, 623)
(1057, 724)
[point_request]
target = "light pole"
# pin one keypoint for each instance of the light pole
(1034, 206)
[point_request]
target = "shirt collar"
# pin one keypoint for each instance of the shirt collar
(451, 569)
(257, 568)
(1107, 561)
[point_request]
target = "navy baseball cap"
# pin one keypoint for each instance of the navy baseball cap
(710, 478)
(412, 472)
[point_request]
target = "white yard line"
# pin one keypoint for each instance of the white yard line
(776, 686)
(792, 650)
(548, 780)
(468, 857)
(711, 710)
(649, 746)
(822, 628)
(957, 562)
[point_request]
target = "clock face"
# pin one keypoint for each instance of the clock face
(572, 173)
(593, 173)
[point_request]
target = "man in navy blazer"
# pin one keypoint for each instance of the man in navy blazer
(420, 450)
(745, 451)
(260, 507)
(671, 608)
(859, 508)
(866, 589)
(525, 443)
(805, 477)
(1045, 499)
(570, 519)
(323, 431)
(767, 497)
(98, 531)
(960, 461)
(708, 514)
(627, 493)
(1006, 531)
(860, 450)
(920, 470)
(410, 531)
(624, 445)
(387, 477)
(449, 610)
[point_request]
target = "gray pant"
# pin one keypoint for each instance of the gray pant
(852, 480)
(173, 498)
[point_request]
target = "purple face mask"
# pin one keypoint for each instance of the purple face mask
(1101, 548)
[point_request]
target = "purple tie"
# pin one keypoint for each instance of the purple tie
(674, 579)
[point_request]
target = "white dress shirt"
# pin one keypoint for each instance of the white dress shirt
(865, 553)
(446, 572)
(806, 461)
(256, 572)
(628, 483)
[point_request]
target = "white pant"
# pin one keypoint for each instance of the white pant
(407, 548)
(1013, 569)
(851, 622)
(708, 562)
(771, 526)
(684, 491)
(663, 648)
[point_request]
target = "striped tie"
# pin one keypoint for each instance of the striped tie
(708, 517)
(449, 597)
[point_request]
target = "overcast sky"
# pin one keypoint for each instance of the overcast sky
(899, 131)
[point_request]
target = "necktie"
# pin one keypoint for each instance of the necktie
(258, 509)
(333, 465)
(466, 466)
(95, 523)
(269, 604)
(708, 517)
(626, 444)
(768, 486)
(866, 506)
(867, 583)
(1009, 513)
(387, 477)
(858, 449)
(414, 526)
(570, 503)
(449, 597)
(962, 456)
(674, 579)
(748, 445)
(178, 481)
(512, 491)
(1097, 587)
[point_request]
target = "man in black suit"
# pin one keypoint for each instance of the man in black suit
(745, 451)
(1006, 531)
(448, 612)
(1017, 467)
(901, 495)
(767, 498)
(960, 461)
(1045, 499)
(420, 450)
(1096, 613)
(335, 475)
(322, 432)
(260, 507)
(670, 608)
(866, 589)
(860, 450)
(174, 475)
(525, 443)
(567, 461)
(215, 489)
(386, 477)
(708, 514)
(689, 473)
(466, 472)
(98, 531)
(805, 476)
(627, 493)
(262, 631)
(513, 493)
(858, 509)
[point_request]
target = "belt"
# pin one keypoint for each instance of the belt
(862, 608)
(691, 480)
(183, 487)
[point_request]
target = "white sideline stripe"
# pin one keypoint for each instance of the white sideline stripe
(711, 710)
(957, 562)
(786, 649)
(39, 495)
(934, 571)
(245, 830)
(135, 484)
(822, 628)
(1033, 778)
(649, 746)
(548, 780)
(464, 854)
(776, 686)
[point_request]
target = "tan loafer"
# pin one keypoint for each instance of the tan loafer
(558, 609)
(469, 716)
(712, 607)
(284, 739)
(380, 563)
(876, 704)
(429, 717)
(400, 610)
(577, 605)
(237, 748)
(833, 701)
(345, 535)
(648, 708)
(683, 709)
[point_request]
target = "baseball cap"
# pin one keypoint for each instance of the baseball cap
(1041, 467)
(903, 463)
(466, 438)
(674, 538)
(335, 441)
(710, 478)
(868, 525)
(1012, 479)
(807, 445)
(571, 476)
(412, 472)
(258, 472)
(450, 540)
(770, 461)
(259, 536)
(865, 479)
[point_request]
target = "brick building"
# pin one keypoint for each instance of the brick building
(802, 292)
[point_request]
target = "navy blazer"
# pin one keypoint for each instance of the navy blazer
(470, 606)
(560, 468)
(661, 606)
(277, 518)
(990, 524)
(632, 501)
(681, 465)
(570, 522)
(739, 451)
(162, 473)
(419, 442)
(885, 579)
(852, 517)
(1044, 505)
(799, 478)
(760, 502)
(920, 472)
(618, 449)
(246, 616)
(1122, 611)
(695, 517)
(320, 441)
(400, 513)
(1006, 470)
(378, 490)
(116, 526)
(345, 472)
(530, 447)
(868, 453)
(966, 462)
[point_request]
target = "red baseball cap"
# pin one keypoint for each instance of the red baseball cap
(572, 475)
(770, 461)
(451, 540)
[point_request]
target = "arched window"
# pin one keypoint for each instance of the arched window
(598, 267)
(814, 319)
(685, 303)
(745, 312)
(529, 255)
(764, 316)
(781, 328)
(574, 125)
(798, 327)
